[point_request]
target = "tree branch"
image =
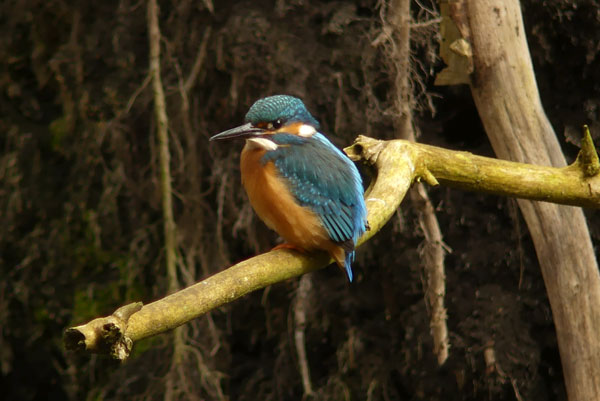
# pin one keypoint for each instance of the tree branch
(487, 43)
(397, 163)
(564, 185)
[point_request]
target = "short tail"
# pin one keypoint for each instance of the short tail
(343, 258)
(348, 265)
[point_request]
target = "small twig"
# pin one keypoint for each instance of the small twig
(197, 66)
(136, 93)
(425, 24)
(518, 395)
(588, 157)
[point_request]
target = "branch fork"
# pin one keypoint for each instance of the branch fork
(398, 164)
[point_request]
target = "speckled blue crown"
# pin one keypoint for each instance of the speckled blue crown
(283, 107)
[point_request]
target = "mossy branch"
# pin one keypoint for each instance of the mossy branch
(397, 164)
(588, 158)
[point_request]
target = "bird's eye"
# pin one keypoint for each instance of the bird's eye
(275, 124)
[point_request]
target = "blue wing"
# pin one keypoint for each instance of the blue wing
(322, 178)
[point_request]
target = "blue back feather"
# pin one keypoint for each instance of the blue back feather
(323, 179)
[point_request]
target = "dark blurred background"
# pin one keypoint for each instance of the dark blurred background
(81, 229)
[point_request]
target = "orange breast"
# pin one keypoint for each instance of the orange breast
(276, 206)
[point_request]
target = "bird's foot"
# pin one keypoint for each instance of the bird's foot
(289, 246)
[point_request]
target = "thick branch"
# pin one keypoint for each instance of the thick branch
(566, 185)
(395, 174)
(398, 163)
(503, 86)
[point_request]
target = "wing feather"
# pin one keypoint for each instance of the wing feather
(322, 178)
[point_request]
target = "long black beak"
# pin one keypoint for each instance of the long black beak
(243, 131)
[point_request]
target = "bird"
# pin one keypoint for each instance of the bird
(298, 183)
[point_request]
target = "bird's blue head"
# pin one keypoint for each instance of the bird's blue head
(271, 115)
(280, 110)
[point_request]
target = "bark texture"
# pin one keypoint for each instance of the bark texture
(504, 88)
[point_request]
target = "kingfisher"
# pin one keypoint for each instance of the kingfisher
(298, 182)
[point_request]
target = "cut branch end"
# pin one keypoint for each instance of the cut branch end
(105, 335)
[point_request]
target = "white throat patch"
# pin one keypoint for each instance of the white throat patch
(306, 131)
(262, 143)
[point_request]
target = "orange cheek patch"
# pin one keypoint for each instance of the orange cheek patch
(293, 129)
